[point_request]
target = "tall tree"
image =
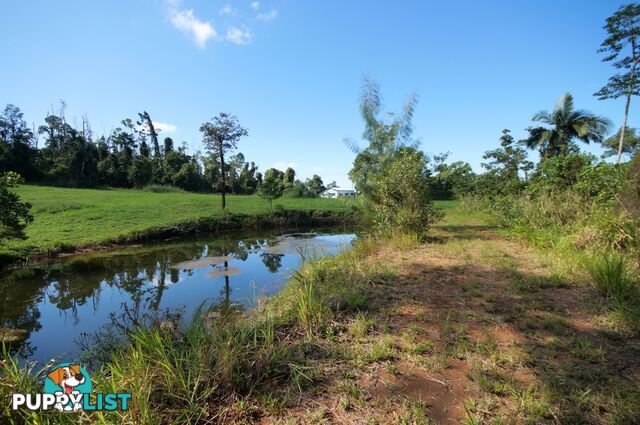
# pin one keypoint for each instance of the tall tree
(385, 136)
(315, 185)
(272, 186)
(147, 127)
(630, 146)
(509, 159)
(289, 177)
(221, 135)
(622, 47)
(168, 145)
(16, 149)
(565, 124)
(504, 166)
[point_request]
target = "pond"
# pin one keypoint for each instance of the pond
(48, 308)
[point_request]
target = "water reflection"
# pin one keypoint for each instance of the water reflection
(44, 309)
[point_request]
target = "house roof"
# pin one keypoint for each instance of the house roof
(339, 190)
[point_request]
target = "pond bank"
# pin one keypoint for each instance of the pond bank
(218, 224)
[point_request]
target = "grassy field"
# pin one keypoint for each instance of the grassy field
(469, 328)
(66, 218)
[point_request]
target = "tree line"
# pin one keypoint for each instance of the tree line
(133, 155)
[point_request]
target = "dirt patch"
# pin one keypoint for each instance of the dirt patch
(479, 329)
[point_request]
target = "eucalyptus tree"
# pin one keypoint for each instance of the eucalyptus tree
(385, 134)
(564, 124)
(221, 135)
(622, 48)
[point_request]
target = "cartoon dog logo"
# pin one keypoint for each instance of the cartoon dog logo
(69, 379)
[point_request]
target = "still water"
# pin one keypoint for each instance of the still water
(49, 307)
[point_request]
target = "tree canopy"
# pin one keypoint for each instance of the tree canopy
(564, 125)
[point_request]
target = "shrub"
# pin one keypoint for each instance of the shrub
(14, 214)
(601, 182)
(559, 172)
(403, 203)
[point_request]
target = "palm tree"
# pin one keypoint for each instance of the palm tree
(566, 124)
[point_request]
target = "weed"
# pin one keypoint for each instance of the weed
(351, 389)
(361, 326)
(310, 309)
(384, 349)
(415, 413)
(583, 349)
(421, 348)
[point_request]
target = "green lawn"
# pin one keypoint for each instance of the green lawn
(84, 217)
(81, 217)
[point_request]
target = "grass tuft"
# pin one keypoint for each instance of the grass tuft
(612, 276)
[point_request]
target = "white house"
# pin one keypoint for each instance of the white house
(336, 192)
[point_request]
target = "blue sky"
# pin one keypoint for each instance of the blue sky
(291, 70)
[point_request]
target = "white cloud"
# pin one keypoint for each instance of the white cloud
(158, 126)
(268, 16)
(238, 36)
(255, 5)
(282, 166)
(186, 21)
(227, 10)
(162, 126)
(317, 169)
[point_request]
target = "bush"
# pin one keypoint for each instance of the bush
(403, 203)
(299, 190)
(559, 172)
(602, 182)
(14, 214)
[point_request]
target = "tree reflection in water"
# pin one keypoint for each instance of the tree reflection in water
(140, 277)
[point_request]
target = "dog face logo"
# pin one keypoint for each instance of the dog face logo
(69, 379)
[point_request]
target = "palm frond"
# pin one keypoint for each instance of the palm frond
(543, 116)
(565, 104)
(537, 137)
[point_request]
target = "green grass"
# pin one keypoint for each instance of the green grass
(65, 218)
(71, 218)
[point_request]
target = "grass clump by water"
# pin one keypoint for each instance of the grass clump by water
(612, 275)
